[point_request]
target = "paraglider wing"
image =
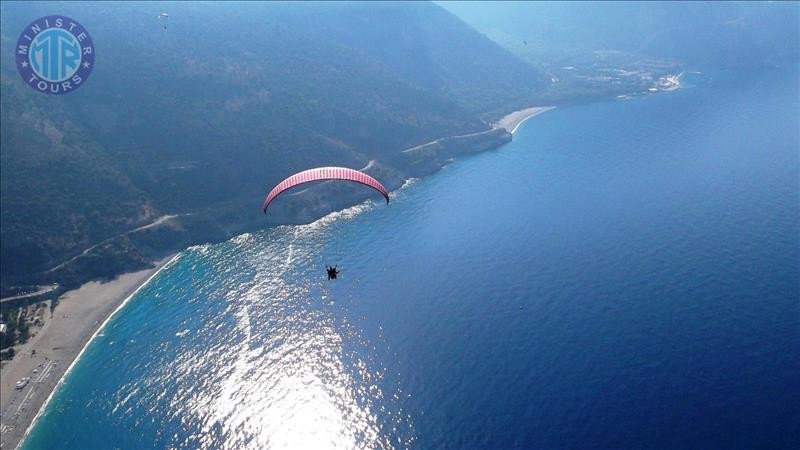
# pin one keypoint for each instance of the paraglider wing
(164, 16)
(325, 173)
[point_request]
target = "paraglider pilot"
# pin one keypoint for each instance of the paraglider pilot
(332, 272)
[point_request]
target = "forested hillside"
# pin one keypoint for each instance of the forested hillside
(196, 116)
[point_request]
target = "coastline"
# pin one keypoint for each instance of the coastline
(80, 315)
(511, 122)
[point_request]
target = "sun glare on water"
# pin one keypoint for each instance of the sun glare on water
(283, 380)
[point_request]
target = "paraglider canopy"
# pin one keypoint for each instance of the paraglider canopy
(325, 173)
(163, 16)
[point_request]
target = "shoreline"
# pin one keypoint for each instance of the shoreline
(511, 121)
(58, 345)
(80, 316)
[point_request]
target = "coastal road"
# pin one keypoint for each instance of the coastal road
(159, 221)
(40, 291)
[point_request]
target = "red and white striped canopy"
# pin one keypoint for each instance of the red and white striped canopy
(325, 173)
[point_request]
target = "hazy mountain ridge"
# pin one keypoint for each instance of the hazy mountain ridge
(701, 34)
(603, 49)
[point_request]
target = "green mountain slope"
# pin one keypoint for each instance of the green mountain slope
(198, 119)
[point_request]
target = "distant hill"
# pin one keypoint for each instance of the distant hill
(700, 34)
(198, 119)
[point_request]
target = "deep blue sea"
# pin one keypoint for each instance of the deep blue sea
(622, 274)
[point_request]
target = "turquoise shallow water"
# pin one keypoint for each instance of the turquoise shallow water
(622, 274)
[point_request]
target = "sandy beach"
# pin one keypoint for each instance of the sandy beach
(513, 120)
(46, 357)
